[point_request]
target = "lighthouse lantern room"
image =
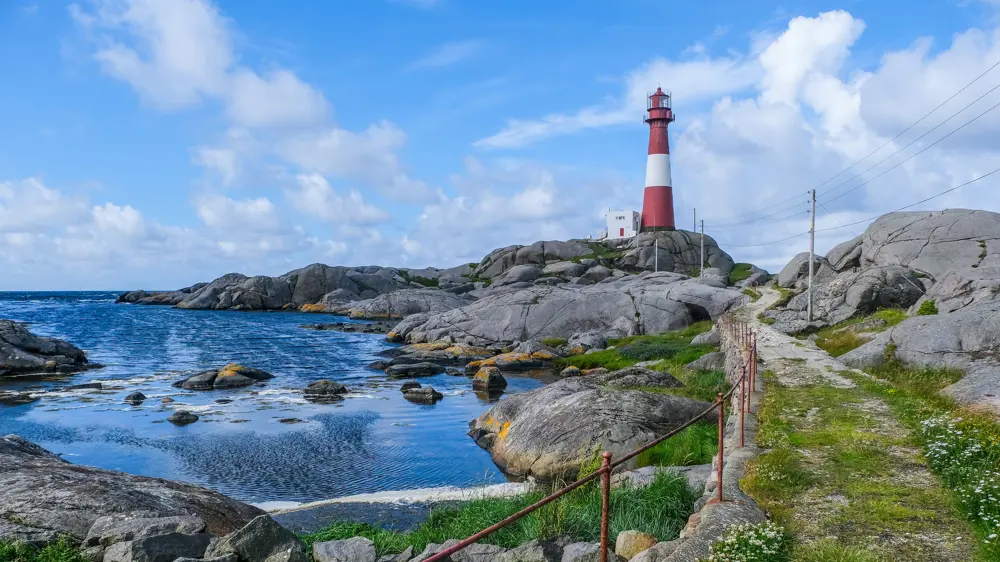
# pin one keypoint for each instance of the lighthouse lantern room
(658, 199)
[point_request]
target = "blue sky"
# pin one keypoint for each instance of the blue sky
(156, 144)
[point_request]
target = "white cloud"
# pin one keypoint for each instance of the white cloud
(219, 211)
(368, 157)
(280, 99)
(447, 55)
(28, 206)
(314, 196)
(694, 80)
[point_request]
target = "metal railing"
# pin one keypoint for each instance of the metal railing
(745, 339)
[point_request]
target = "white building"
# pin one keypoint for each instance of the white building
(623, 224)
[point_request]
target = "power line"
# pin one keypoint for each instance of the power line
(915, 123)
(914, 204)
(780, 219)
(917, 139)
(872, 153)
(768, 243)
(900, 163)
(829, 212)
(757, 211)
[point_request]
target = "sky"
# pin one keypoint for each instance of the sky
(158, 143)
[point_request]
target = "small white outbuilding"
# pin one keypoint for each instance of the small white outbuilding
(623, 224)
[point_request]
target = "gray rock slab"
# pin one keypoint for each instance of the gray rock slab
(261, 540)
(159, 548)
(112, 529)
(357, 549)
(587, 552)
(51, 495)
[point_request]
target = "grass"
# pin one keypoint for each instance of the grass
(840, 339)
(674, 347)
(754, 294)
(831, 471)
(63, 551)
(661, 509)
(695, 445)
(698, 385)
(765, 320)
(962, 446)
(739, 272)
(785, 295)
(927, 308)
(555, 342)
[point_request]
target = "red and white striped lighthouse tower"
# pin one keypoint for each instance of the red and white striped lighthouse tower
(658, 199)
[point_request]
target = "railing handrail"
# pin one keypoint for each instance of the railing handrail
(743, 335)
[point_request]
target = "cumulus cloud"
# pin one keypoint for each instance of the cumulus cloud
(315, 196)
(219, 211)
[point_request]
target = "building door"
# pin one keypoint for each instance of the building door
(621, 232)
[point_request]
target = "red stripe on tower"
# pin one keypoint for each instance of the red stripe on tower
(658, 198)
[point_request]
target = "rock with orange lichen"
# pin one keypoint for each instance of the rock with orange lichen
(445, 354)
(513, 361)
(232, 375)
(489, 378)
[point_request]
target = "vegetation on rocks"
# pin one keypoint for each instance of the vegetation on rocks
(554, 342)
(843, 337)
(63, 551)
(927, 308)
(763, 542)
(754, 294)
(786, 296)
(673, 347)
(426, 282)
(740, 272)
(661, 509)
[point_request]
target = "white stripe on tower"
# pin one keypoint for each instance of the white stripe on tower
(658, 170)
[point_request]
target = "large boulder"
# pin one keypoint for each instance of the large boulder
(850, 294)
(42, 496)
(967, 340)
(402, 303)
(552, 431)
(24, 352)
(500, 260)
(678, 251)
(933, 242)
(636, 304)
(797, 270)
(519, 274)
(261, 540)
(565, 269)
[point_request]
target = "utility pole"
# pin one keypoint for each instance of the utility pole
(812, 249)
(694, 225)
(701, 266)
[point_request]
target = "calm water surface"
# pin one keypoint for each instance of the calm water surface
(372, 441)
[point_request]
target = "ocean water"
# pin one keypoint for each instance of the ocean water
(373, 441)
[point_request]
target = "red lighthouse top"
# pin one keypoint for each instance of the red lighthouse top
(658, 106)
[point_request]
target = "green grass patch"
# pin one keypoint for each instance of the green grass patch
(554, 342)
(826, 442)
(784, 295)
(63, 551)
(754, 294)
(739, 272)
(927, 308)
(698, 385)
(765, 320)
(661, 509)
(697, 444)
(674, 347)
(840, 338)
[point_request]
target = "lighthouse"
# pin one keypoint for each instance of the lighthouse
(658, 198)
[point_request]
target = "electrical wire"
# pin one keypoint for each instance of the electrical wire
(742, 228)
(869, 155)
(768, 243)
(900, 163)
(829, 212)
(914, 141)
(915, 123)
(986, 175)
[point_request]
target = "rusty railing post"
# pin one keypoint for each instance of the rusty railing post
(605, 504)
(744, 401)
(722, 440)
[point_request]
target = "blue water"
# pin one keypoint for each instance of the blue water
(372, 441)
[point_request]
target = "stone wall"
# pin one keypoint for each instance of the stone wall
(711, 519)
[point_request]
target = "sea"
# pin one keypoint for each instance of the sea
(372, 441)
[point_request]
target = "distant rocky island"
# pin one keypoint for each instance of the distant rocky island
(546, 290)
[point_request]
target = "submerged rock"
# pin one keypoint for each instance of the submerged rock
(16, 398)
(408, 370)
(325, 391)
(353, 327)
(182, 417)
(135, 399)
(51, 496)
(232, 375)
(426, 395)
